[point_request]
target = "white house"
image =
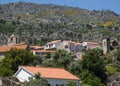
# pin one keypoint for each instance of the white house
(52, 45)
(54, 76)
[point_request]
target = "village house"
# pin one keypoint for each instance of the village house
(70, 46)
(52, 45)
(54, 76)
(39, 50)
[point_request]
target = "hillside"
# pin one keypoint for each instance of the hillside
(38, 23)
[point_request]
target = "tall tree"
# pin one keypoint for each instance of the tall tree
(94, 62)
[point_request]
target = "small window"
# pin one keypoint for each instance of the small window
(66, 46)
(48, 84)
(11, 39)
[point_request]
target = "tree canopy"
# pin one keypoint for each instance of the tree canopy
(94, 63)
(13, 59)
(60, 58)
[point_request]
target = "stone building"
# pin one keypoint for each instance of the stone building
(12, 40)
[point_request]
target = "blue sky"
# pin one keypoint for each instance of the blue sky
(113, 5)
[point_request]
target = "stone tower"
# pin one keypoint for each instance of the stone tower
(12, 40)
(106, 45)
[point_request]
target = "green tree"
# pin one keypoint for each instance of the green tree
(75, 67)
(13, 59)
(94, 62)
(117, 55)
(37, 61)
(89, 79)
(60, 58)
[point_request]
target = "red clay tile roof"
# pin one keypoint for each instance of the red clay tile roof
(18, 46)
(52, 42)
(95, 43)
(56, 73)
(37, 47)
(4, 48)
(92, 45)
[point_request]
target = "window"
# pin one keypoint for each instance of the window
(48, 84)
(51, 45)
(11, 39)
(66, 46)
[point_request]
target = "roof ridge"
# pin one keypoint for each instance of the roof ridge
(43, 67)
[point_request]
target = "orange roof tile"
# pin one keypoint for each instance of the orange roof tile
(18, 46)
(37, 47)
(52, 42)
(4, 48)
(78, 43)
(56, 73)
(92, 45)
(95, 43)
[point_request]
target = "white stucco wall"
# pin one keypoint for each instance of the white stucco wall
(54, 45)
(23, 75)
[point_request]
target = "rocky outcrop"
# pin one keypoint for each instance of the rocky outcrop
(44, 22)
(113, 80)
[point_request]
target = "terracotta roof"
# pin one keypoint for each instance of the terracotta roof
(78, 43)
(56, 73)
(46, 51)
(69, 41)
(4, 48)
(52, 42)
(18, 46)
(37, 47)
(92, 45)
(95, 43)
